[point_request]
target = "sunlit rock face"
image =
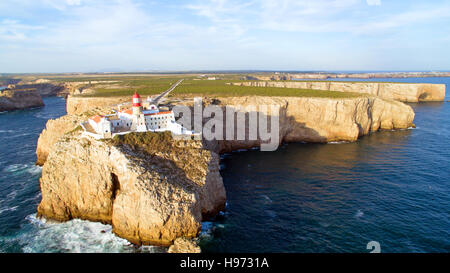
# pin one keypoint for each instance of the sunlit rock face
(405, 92)
(152, 192)
(15, 100)
(154, 189)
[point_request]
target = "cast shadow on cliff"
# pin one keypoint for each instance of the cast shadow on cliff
(172, 173)
(289, 130)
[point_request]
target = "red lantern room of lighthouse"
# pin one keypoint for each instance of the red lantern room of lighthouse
(137, 106)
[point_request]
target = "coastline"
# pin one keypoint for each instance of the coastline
(346, 143)
(301, 119)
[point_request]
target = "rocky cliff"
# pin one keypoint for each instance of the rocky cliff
(154, 189)
(405, 92)
(54, 129)
(45, 89)
(150, 187)
(19, 99)
(320, 120)
(322, 75)
(301, 119)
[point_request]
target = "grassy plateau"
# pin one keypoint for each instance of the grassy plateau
(194, 86)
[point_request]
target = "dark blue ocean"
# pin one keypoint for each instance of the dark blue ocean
(392, 187)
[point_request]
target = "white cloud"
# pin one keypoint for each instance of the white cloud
(73, 2)
(14, 31)
(89, 35)
(373, 2)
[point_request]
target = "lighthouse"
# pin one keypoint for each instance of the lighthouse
(137, 106)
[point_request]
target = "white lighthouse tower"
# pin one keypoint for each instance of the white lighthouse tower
(139, 123)
(137, 104)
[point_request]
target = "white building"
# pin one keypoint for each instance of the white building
(136, 119)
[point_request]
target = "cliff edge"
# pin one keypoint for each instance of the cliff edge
(19, 99)
(404, 92)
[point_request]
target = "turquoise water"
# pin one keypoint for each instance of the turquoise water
(392, 187)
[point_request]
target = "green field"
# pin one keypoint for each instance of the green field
(201, 87)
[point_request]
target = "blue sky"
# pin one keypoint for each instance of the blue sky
(138, 35)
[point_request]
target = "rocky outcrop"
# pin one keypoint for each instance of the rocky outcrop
(15, 99)
(55, 128)
(151, 188)
(183, 245)
(405, 92)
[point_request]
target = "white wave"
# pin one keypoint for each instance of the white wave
(11, 195)
(8, 209)
(267, 199)
(33, 199)
(14, 168)
(207, 230)
(6, 131)
(44, 116)
(20, 168)
(17, 135)
(34, 169)
(337, 142)
(359, 214)
(77, 236)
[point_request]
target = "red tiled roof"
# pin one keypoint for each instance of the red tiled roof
(127, 111)
(97, 118)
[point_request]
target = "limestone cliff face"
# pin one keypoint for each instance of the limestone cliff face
(55, 128)
(152, 192)
(301, 119)
(154, 189)
(318, 120)
(405, 92)
(45, 89)
(77, 105)
(15, 100)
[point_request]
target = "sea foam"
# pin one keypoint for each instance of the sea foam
(76, 236)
